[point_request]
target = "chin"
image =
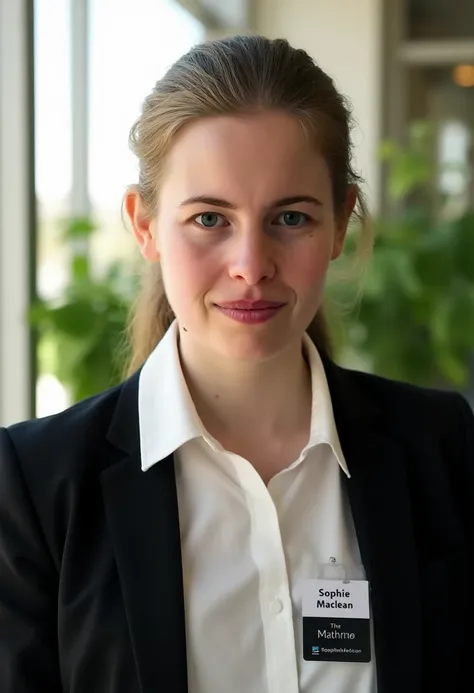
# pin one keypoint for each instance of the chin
(252, 347)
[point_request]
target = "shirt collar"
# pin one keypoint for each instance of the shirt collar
(323, 423)
(168, 418)
(166, 413)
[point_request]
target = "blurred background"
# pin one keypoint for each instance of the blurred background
(73, 75)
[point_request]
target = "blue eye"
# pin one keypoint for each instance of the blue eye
(293, 219)
(210, 220)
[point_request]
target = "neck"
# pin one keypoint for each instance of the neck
(231, 396)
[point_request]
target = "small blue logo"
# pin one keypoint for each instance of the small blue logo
(315, 649)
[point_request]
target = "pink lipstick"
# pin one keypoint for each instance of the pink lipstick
(250, 312)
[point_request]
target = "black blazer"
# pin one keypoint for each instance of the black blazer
(91, 593)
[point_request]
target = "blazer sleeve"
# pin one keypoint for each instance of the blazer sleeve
(28, 588)
(463, 465)
(462, 476)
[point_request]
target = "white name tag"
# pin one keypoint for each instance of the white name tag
(337, 598)
(336, 620)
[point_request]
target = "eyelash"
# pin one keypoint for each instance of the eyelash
(305, 219)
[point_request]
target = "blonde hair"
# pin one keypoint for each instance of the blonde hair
(240, 74)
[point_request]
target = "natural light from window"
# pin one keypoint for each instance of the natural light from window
(131, 45)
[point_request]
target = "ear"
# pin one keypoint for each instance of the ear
(342, 221)
(143, 226)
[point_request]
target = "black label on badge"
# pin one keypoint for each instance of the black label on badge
(336, 639)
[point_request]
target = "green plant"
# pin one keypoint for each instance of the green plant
(82, 333)
(415, 321)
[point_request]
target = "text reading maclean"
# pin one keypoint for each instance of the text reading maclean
(331, 600)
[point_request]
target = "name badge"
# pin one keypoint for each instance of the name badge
(336, 620)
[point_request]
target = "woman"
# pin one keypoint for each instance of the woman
(240, 514)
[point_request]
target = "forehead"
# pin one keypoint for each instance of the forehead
(245, 158)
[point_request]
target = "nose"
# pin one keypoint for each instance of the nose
(252, 258)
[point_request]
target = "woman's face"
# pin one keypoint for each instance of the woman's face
(245, 232)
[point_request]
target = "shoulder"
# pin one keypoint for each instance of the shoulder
(432, 430)
(394, 392)
(403, 408)
(68, 438)
(50, 468)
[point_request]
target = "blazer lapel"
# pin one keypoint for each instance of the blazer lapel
(380, 502)
(142, 513)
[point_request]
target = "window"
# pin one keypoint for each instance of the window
(129, 52)
(430, 76)
(127, 47)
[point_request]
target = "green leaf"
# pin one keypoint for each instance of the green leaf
(464, 246)
(80, 267)
(407, 174)
(78, 228)
(38, 314)
(388, 150)
(74, 319)
(453, 368)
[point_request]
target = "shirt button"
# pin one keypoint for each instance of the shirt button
(276, 607)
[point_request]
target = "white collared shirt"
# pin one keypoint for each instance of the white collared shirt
(248, 547)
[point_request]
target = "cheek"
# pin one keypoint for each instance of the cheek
(187, 269)
(307, 267)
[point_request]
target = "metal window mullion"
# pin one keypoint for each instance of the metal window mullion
(432, 53)
(16, 196)
(80, 195)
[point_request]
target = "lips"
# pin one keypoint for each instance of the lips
(250, 312)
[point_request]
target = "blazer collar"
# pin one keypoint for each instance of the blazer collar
(142, 512)
(124, 431)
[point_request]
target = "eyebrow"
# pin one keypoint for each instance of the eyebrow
(282, 202)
